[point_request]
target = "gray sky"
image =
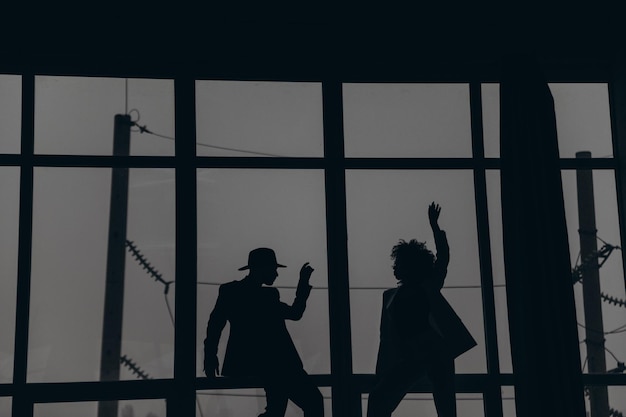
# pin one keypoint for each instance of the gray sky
(239, 210)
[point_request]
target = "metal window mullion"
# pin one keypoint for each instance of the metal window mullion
(617, 107)
(22, 404)
(493, 392)
(181, 402)
(346, 399)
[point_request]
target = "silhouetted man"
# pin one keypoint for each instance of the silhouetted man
(259, 343)
(420, 334)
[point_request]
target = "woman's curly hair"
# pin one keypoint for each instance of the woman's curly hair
(415, 254)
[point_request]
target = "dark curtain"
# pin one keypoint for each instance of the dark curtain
(540, 296)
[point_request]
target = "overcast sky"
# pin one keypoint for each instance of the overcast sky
(239, 210)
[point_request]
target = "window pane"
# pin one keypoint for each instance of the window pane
(611, 273)
(497, 260)
(5, 406)
(70, 235)
(74, 115)
(583, 119)
(239, 210)
(9, 224)
(151, 105)
(10, 113)
(246, 402)
(126, 408)
(407, 120)
(508, 402)
(245, 118)
(385, 206)
(491, 119)
(419, 404)
(616, 399)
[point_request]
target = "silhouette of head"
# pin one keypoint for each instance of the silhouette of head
(412, 261)
(262, 262)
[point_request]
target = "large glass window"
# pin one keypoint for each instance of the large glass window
(267, 174)
(246, 118)
(240, 210)
(582, 112)
(251, 401)
(9, 215)
(610, 300)
(584, 132)
(74, 115)
(407, 120)
(127, 408)
(10, 113)
(386, 206)
(69, 273)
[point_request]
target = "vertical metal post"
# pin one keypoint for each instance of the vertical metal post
(116, 256)
(21, 405)
(617, 105)
(346, 401)
(493, 391)
(594, 327)
(182, 401)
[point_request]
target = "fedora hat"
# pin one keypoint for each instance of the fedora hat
(261, 257)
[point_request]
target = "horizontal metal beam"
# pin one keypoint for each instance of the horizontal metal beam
(109, 161)
(159, 388)
(304, 68)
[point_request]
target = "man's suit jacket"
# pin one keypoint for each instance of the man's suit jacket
(259, 343)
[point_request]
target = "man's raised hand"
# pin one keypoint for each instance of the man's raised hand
(305, 273)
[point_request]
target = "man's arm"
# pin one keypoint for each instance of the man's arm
(296, 310)
(217, 321)
(440, 269)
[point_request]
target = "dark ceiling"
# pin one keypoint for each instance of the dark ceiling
(360, 41)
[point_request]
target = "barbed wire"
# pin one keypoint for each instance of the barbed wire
(132, 248)
(134, 368)
(613, 300)
(150, 270)
(595, 260)
(589, 261)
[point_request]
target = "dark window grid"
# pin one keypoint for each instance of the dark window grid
(21, 406)
(184, 400)
(493, 391)
(160, 388)
(336, 164)
(617, 108)
(96, 161)
(310, 70)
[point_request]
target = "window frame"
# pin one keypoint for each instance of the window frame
(180, 391)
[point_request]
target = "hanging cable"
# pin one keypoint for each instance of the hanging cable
(612, 354)
(293, 287)
(144, 129)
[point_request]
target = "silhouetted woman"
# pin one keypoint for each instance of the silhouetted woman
(419, 332)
